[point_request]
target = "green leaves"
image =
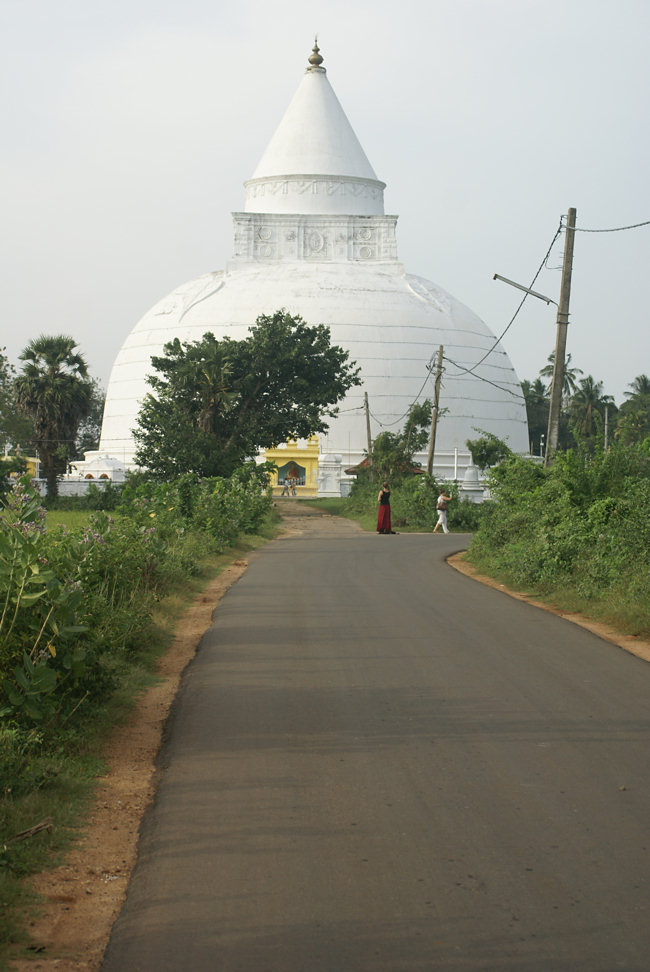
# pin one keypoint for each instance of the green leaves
(392, 456)
(33, 683)
(581, 526)
(38, 628)
(216, 403)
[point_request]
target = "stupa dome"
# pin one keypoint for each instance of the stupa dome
(313, 239)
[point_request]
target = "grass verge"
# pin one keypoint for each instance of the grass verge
(614, 609)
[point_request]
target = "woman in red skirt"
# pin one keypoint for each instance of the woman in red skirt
(383, 519)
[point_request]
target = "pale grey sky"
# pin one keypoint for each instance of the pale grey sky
(129, 126)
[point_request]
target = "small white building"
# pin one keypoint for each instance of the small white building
(313, 238)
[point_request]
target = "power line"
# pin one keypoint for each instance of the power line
(480, 378)
(387, 425)
(616, 229)
(471, 371)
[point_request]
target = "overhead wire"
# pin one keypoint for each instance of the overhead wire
(615, 229)
(471, 370)
(480, 378)
(387, 425)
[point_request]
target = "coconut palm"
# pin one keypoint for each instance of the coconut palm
(537, 405)
(640, 388)
(633, 424)
(570, 383)
(54, 390)
(634, 417)
(587, 407)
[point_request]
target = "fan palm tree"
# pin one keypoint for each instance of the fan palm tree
(54, 390)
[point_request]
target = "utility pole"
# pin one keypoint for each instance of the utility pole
(434, 413)
(367, 411)
(557, 385)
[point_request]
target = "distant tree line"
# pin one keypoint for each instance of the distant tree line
(215, 403)
(588, 413)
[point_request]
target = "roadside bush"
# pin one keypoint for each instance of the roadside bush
(74, 604)
(579, 529)
(105, 497)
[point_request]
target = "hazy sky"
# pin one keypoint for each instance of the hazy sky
(129, 126)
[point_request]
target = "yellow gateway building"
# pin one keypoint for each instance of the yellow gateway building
(297, 464)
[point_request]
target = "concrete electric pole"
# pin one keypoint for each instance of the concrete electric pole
(434, 413)
(557, 385)
(367, 411)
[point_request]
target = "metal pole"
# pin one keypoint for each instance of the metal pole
(434, 413)
(560, 341)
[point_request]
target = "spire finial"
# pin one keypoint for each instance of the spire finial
(315, 59)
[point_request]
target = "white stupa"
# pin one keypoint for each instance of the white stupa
(314, 239)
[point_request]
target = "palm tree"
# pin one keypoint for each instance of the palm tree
(634, 417)
(587, 403)
(54, 390)
(640, 388)
(633, 424)
(537, 405)
(570, 384)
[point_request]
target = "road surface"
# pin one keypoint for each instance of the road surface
(376, 764)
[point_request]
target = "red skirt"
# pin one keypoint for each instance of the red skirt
(383, 520)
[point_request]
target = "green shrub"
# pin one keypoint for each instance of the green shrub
(74, 604)
(579, 528)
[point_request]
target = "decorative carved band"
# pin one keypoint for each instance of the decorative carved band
(326, 185)
(338, 239)
(315, 194)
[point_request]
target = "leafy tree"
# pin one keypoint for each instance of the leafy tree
(90, 428)
(15, 430)
(488, 450)
(54, 390)
(217, 402)
(392, 455)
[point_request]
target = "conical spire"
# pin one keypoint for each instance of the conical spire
(314, 140)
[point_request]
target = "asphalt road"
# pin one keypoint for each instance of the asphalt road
(376, 764)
